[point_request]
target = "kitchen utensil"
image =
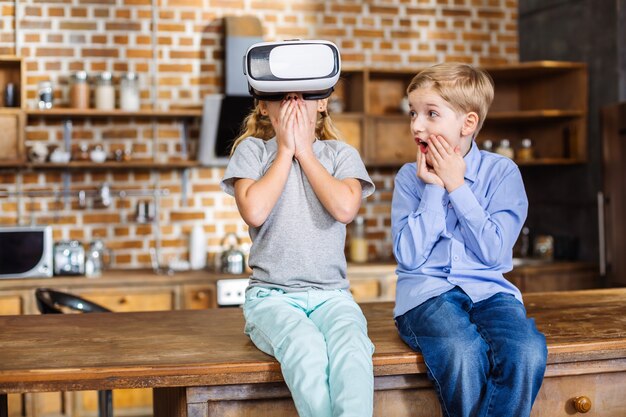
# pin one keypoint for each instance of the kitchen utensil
(69, 258)
(96, 259)
(232, 258)
(144, 211)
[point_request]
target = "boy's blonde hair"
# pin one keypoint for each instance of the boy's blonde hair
(464, 87)
(260, 126)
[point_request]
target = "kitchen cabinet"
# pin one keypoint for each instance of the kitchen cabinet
(545, 101)
(120, 291)
(540, 276)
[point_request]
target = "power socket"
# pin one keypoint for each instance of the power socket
(231, 292)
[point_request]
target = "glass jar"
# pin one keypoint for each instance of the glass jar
(487, 145)
(525, 153)
(44, 95)
(105, 93)
(129, 92)
(79, 90)
(358, 243)
(504, 148)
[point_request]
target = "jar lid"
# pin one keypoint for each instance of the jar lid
(130, 76)
(106, 76)
(80, 75)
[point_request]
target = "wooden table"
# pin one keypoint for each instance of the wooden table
(200, 363)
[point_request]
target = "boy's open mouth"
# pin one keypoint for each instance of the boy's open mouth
(423, 145)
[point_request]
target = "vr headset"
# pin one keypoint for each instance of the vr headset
(274, 69)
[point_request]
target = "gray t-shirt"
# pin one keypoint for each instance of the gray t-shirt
(300, 246)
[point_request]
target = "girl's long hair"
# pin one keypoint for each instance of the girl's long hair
(259, 126)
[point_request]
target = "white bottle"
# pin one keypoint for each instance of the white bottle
(197, 248)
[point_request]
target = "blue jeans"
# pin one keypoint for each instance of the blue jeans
(485, 359)
(320, 339)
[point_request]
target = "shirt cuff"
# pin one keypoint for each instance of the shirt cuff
(464, 200)
(433, 198)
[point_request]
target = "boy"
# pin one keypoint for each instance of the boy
(456, 214)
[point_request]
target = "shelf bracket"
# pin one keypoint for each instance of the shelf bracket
(184, 139)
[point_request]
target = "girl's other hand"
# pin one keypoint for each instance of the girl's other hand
(426, 173)
(304, 130)
(284, 127)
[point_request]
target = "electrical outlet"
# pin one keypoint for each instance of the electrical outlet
(231, 292)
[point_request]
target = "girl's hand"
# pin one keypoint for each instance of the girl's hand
(425, 173)
(448, 163)
(304, 130)
(284, 126)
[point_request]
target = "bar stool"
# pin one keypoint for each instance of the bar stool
(57, 302)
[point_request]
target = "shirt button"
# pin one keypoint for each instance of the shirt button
(455, 257)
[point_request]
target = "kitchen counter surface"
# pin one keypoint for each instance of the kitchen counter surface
(124, 350)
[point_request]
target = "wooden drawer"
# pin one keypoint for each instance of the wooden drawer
(198, 297)
(146, 300)
(606, 392)
(365, 289)
(10, 305)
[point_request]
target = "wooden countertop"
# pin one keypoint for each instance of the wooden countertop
(207, 347)
(139, 277)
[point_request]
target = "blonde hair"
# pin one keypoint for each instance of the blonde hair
(465, 88)
(259, 126)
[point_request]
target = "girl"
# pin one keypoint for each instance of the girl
(297, 187)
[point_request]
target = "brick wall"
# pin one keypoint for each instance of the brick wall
(177, 48)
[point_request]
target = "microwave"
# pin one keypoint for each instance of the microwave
(26, 252)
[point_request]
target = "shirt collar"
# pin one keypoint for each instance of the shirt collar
(472, 162)
(318, 146)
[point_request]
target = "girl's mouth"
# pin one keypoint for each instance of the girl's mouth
(423, 145)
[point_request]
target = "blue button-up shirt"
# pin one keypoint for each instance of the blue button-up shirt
(464, 238)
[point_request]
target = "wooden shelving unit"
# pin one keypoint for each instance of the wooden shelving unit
(66, 112)
(113, 165)
(545, 101)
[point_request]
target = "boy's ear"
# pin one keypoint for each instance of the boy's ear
(470, 124)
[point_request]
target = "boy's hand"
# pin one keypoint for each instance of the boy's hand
(304, 130)
(448, 163)
(284, 126)
(426, 173)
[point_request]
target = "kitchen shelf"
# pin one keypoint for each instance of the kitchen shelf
(80, 165)
(70, 112)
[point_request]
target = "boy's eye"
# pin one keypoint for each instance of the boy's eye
(432, 113)
(412, 113)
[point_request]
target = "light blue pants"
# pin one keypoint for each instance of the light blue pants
(320, 339)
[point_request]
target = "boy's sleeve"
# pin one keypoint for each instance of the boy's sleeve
(348, 164)
(244, 163)
(417, 218)
(491, 231)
